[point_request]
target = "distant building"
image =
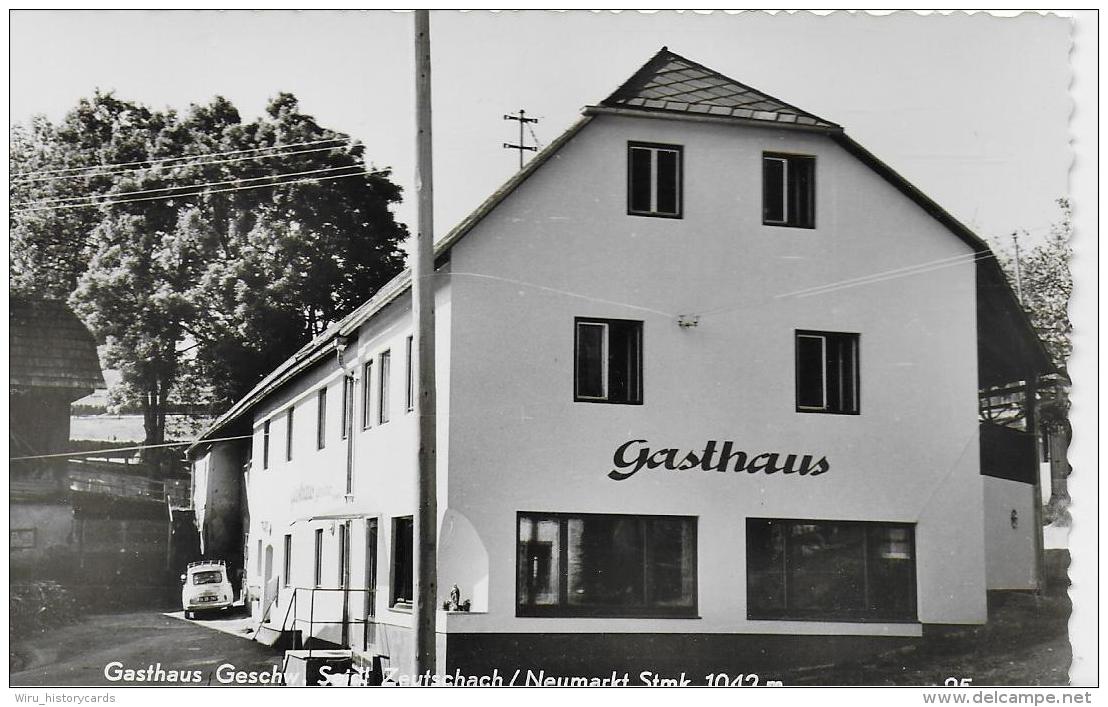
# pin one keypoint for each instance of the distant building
(708, 377)
(89, 521)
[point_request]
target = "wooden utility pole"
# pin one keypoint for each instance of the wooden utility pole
(423, 307)
(523, 120)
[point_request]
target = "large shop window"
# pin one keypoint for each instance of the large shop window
(605, 565)
(830, 570)
(653, 180)
(827, 372)
(608, 361)
(788, 190)
(403, 565)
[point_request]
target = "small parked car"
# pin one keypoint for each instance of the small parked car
(206, 587)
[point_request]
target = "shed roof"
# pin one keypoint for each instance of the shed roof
(671, 83)
(49, 348)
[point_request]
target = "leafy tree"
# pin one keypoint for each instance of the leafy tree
(214, 285)
(1045, 286)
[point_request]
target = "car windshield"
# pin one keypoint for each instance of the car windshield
(210, 577)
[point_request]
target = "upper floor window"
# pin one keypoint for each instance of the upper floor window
(288, 435)
(788, 190)
(411, 379)
(654, 179)
(367, 394)
(826, 372)
(384, 364)
(321, 420)
(608, 361)
(347, 405)
(265, 445)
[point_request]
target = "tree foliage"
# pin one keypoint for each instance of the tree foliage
(220, 283)
(1045, 283)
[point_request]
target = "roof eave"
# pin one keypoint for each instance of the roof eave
(666, 114)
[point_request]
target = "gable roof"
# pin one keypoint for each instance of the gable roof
(671, 83)
(50, 349)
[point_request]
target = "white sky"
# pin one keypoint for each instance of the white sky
(973, 109)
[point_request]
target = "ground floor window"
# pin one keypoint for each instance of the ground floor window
(605, 565)
(830, 570)
(403, 567)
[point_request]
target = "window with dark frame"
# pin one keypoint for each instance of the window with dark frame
(830, 570)
(367, 394)
(403, 567)
(288, 561)
(654, 181)
(605, 565)
(265, 445)
(371, 565)
(827, 372)
(384, 364)
(321, 419)
(788, 190)
(344, 552)
(410, 376)
(288, 434)
(347, 405)
(318, 557)
(607, 361)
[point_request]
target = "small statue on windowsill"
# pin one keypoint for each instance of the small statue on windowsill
(455, 598)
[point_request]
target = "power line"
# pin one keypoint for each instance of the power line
(523, 121)
(186, 186)
(186, 164)
(186, 157)
(125, 449)
(199, 193)
(882, 277)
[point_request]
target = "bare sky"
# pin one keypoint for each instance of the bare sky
(973, 109)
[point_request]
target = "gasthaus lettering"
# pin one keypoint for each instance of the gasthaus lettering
(629, 462)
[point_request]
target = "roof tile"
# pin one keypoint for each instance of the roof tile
(672, 83)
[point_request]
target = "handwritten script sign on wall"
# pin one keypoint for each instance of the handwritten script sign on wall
(633, 456)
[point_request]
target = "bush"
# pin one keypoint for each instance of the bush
(36, 606)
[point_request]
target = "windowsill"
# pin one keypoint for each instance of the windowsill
(653, 215)
(789, 225)
(607, 402)
(828, 412)
(592, 615)
(834, 619)
(401, 608)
